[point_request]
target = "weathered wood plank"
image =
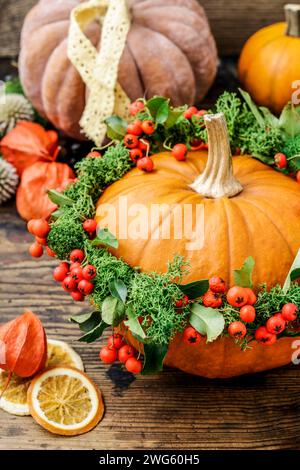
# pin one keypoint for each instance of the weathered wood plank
(232, 21)
(172, 410)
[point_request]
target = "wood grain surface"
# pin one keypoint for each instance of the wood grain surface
(167, 411)
(232, 21)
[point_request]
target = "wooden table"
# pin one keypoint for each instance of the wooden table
(167, 411)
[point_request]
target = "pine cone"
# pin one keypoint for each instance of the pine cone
(8, 181)
(14, 108)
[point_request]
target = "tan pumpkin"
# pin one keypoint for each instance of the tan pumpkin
(269, 66)
(169, 51)
(249, 210)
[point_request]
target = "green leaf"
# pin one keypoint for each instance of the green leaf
(289, 121)
(87, 321)
(154, 355)
(116, 127)
(56, 214)
(292, 273)
(134, 325)
(106, 238)
(295, 274)
(157, 107)
(60, 199)
(243, 276)
(118, 289)
(174, 116)
(270, 119)
(195, 289)
(94, 334)
(207, 321)
(253, 108)
(113, 311)
(162, 113)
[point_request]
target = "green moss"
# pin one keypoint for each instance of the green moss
(66, 234)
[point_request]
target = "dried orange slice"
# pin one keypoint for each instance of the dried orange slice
(14, 399)
(65, 401)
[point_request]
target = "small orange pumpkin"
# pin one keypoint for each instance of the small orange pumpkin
(269, 62)
(32, 199)
(249, 210)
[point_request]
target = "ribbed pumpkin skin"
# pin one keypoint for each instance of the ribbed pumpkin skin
(262, 221)
(269, 65)
(164, 55)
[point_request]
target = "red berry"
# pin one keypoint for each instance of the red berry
(144, 145)
(289, 312)
(76, 256)
(89, 225)
(275, 324)
(182, 302)
(201, 112)
(148, 127)
(50, 252)
(145, 164)
(68, 284)
(237, 330)
(40, 228)
(133, 365)
(179, 152)
(251, 300)
(75, 265)
(131, 141)
(263, 336)
(136, 107)
(280, 160)
(125, 352)
(30, 226)
(77, 274)
(94, 154)
(36, 250)
(212, 299)
(135, 128)
(191, 336)
(108, 355)
(298, 176)
(85, 287)
(247, 313)
(60, 273)
(237, 296)
(135, 154)
(41, 241)
(89, 272)
(188, 113)
(77, 296)
(217, 284)
(116, 341)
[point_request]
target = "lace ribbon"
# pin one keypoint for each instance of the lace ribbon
(99, 70)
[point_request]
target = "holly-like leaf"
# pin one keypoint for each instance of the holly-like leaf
(60, 199)
(289, 120)
(113, 311)
(94, 334)
(158, 107)
(134, 325)
(175, 114)
(253, 108)
(207, 321)
(116, 127)
(294, 273)
(87, 321)
(195, 289)
(118, 289)
(243, 276)
(154, 355)
(106, 238)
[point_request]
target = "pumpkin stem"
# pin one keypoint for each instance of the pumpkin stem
(217, 180)
(292, 15)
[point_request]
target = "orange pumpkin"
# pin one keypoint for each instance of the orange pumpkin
(32, 199)
(27, 143)
(182, 68)
(249, 210)
(269, 62)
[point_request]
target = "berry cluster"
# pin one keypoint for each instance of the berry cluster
(39, 228)
(117, 349)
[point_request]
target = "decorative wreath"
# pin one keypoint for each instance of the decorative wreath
(150, 309)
